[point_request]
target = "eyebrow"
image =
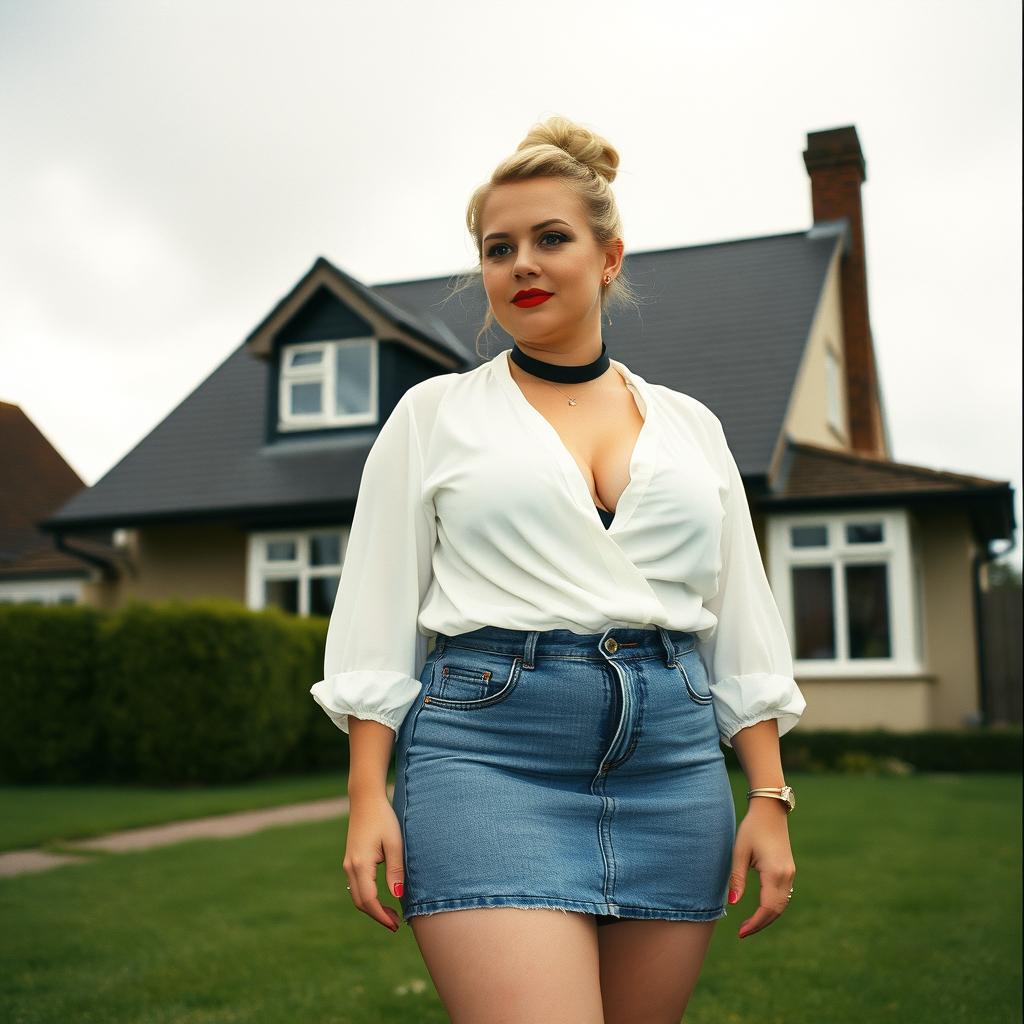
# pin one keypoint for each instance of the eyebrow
(536, 227)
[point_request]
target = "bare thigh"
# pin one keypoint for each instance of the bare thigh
(649, 969)
(510, 965)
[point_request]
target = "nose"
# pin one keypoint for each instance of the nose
(524, 264)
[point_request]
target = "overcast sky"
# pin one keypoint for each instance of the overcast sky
(168, 170)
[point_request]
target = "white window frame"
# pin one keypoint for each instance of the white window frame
(833, 391)
(51, 591)
(259, 569)
(895, 551)
(324, 372)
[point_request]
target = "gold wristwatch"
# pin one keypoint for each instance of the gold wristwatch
(784, 793)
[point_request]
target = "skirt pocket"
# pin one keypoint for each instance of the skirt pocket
(467, 679)
(694, 674)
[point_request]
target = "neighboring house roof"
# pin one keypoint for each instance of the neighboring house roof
(34, 480)
(726, 322)
(812, 476)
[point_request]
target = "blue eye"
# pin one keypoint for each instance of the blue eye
(547, 234)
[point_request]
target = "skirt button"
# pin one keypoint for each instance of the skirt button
(611, 645)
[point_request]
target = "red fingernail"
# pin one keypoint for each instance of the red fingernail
(733, 895)
(743, 934)
(399, 888)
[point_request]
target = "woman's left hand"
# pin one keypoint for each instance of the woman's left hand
(762, 842)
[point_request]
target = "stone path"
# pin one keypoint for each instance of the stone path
(220, 826)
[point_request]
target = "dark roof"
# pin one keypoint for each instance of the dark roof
(34, 481)
(209, 459)
(813, 476)
(726, 323)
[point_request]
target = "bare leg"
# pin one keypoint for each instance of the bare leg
(509, 965)
(649, 969)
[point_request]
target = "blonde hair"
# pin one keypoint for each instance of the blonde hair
(588, 164)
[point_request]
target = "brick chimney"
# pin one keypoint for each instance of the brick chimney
(835, 164)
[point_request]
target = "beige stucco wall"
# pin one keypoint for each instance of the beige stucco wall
(179, 561)
(950, 640)
(807, 414)
(900, 705)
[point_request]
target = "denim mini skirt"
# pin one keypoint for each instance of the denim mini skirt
(581, 772)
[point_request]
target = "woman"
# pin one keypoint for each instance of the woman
(578, 542)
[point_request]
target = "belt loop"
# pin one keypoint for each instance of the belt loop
(529, 647)
(670, 648)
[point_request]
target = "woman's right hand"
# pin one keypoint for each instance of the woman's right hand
(374, 835)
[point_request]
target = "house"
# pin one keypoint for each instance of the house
(36, 566)
(245, 489)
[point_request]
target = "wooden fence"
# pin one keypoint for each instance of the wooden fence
(1003, 625)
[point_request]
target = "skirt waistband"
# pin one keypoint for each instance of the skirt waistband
(615, 642)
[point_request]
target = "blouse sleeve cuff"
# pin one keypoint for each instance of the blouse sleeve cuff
(742, 701)
(380, 696)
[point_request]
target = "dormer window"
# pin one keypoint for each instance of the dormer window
(331, 383)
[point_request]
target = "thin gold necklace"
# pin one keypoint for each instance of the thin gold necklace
(571, 399)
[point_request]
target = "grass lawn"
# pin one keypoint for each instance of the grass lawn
(907, 909)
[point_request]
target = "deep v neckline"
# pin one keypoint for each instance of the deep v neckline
(641, 462)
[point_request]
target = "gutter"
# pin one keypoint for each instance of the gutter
(108, 570)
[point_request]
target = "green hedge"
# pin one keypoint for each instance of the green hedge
(49, 731)
(157, 693)
(976, 749)
(196, 692)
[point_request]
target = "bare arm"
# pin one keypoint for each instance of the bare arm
(370, 748)
(757, 750)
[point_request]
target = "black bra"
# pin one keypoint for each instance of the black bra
(606, 516)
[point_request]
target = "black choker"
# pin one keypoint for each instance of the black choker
(573, 374)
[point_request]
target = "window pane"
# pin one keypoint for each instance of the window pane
(281, 551)
(352, 378)
(867, 591)
(325, 549)
(310, 357)
(813, 612)
(808, 536)
(322, 591)
(306, 398)
(282, 593)
(864, 533)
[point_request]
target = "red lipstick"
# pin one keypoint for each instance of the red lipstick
(531, 297)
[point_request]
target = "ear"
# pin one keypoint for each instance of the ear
(614, 253)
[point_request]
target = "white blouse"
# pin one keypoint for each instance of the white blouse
(471, 512)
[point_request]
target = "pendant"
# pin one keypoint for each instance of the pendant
(572, 401)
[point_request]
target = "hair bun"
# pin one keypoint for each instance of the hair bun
(580, 143)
